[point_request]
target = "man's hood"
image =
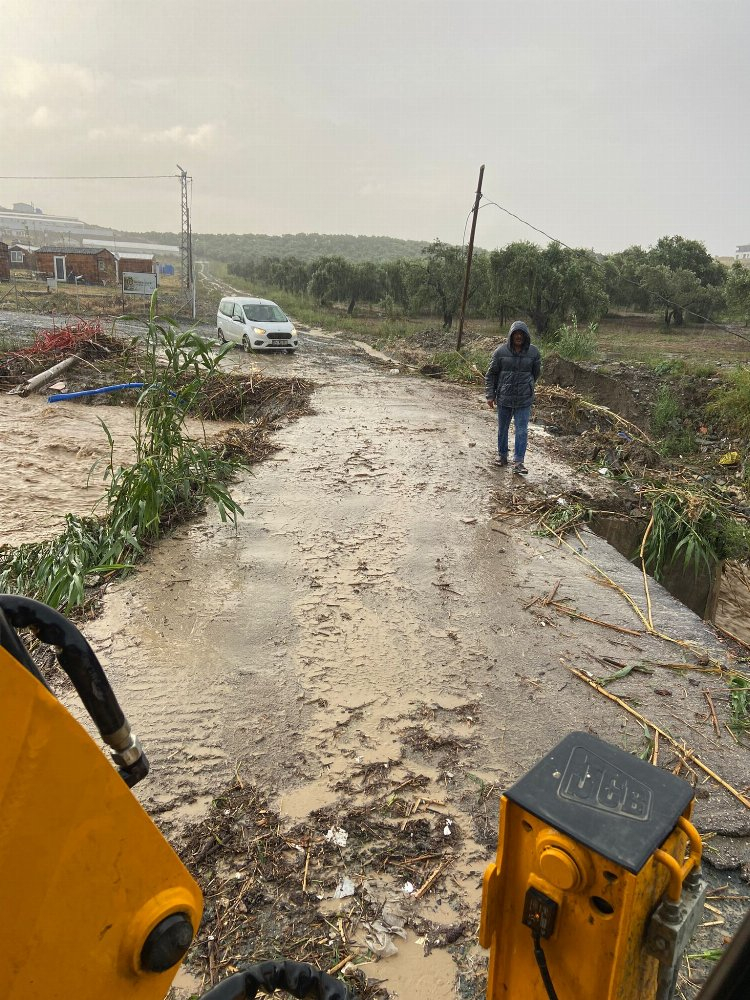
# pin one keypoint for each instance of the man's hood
(519, 325)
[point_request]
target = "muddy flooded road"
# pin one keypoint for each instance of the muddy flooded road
(369, 635)
(367, 618)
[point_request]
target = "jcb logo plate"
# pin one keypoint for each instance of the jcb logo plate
(591, 781)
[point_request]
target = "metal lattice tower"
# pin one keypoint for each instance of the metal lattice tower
(186, 237)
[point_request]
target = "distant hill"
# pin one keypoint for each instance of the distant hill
(231, 247)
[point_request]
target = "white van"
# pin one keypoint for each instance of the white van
(257, 324)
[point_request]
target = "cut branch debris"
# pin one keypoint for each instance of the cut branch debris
(438, 871)
(688, 755)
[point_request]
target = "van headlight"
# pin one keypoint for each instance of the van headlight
(258, 331)
(293, 332)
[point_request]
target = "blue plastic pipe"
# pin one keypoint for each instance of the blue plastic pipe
(96, 392)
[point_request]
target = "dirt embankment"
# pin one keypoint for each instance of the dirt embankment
(621, 394)
(687, 450)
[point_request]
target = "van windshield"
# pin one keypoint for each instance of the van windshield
(260, 313)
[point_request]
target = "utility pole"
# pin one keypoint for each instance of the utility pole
(186, 242)
(468, 259)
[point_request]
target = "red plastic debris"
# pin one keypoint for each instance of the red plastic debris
(64, 338)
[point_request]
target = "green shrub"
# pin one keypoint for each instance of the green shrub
(571, 342)
(730, 403)
(681, 367)
(55, 572)
(666, 366)
(676, 443)
(696, 369)
(739, 704)
(666, 412)
(673, 437)
(691, 527)
(465, 366)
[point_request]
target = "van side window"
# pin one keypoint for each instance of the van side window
(226, 307)
(239, 314)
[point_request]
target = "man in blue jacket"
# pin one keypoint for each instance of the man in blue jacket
(509, 385)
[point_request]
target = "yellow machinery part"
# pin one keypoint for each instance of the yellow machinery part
(86, 875)
(596, 951)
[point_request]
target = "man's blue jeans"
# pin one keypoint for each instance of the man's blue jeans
(521, 419)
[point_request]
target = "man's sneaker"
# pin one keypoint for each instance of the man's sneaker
(520, 469)
(501, 461)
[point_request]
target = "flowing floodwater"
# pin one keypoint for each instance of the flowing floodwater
(53, 457)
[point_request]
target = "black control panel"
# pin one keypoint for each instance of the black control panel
(604, 798)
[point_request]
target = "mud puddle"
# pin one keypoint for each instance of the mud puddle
(412, 974)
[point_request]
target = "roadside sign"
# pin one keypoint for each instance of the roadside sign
(137, 283)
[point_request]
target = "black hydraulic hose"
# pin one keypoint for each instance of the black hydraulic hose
(297, 978)
(75, 656)
(541, 961)
(80, 663)
(730, 977)
(9, 641)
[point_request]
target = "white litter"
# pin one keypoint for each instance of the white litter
(379, 935)
(344, 889)
(337, 836)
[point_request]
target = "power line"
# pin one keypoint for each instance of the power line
(94, 177)
(463, 241)
(630, 281)
(525, 223)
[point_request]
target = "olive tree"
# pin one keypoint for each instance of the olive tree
(622, 276)
(680, 254)
(548, 285)
(738, 291)
(443, 277)
(330, 279)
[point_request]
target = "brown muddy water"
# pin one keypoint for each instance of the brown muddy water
(53, 457)
(366, 612)
(733, 601)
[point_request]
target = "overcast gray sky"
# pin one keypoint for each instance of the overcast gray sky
(603, 122)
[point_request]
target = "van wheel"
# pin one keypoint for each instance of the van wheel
(246, 345)
(220, 335)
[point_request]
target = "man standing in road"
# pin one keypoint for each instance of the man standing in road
(509, 384)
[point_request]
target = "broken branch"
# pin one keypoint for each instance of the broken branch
(647, 722)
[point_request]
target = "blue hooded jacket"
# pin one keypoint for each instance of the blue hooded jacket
(511, 377)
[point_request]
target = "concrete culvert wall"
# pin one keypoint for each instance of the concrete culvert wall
(696, 589)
